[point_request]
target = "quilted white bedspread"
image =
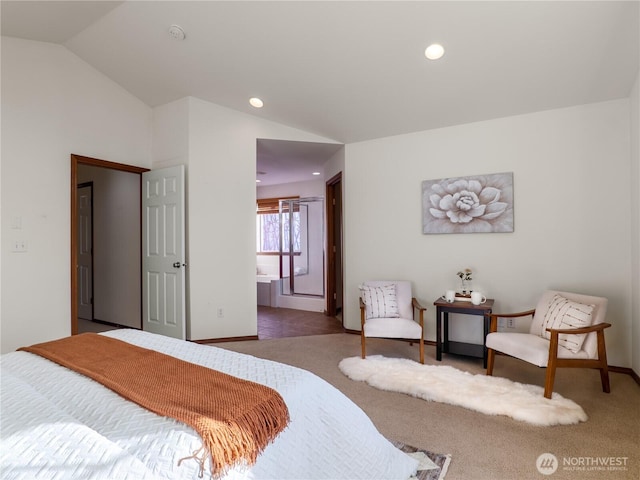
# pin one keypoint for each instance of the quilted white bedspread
(58, 424)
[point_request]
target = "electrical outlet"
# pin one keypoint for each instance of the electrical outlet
(511, 323)
(220, 313)
(500, 322)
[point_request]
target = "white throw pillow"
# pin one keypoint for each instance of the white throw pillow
(564, 313)
(381, 301)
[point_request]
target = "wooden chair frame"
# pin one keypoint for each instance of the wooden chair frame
(554, 362)
(416, 306)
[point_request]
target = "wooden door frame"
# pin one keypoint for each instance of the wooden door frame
(75, 161)
(331, 264)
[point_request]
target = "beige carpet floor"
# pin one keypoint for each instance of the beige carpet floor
(482, 447)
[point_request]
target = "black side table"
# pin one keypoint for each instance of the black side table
(443, 309)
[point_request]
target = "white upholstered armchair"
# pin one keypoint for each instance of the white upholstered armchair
(567, 330)
(387, 310)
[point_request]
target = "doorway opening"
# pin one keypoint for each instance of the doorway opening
(76, 162)
(293, 169)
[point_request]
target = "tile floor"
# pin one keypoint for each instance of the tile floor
(287, 322)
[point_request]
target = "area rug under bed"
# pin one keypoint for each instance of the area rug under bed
(433, 466)
(482, 393)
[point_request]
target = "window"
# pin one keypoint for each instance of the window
(268, 227)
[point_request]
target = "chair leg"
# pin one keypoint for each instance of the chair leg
(604, 368)
(604, 378)
(551, 365)
(491, 355)
(364, 353)
(422, 351)
(548, 381)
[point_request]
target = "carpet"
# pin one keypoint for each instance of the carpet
(432, 466)
(482, 393)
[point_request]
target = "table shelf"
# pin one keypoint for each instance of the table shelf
(443, 344)
(467, 349)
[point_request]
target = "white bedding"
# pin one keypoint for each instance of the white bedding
(58, 424)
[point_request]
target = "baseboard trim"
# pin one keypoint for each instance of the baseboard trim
(625, 370)
(226, 339)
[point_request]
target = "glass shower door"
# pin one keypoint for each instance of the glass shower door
(302, 246)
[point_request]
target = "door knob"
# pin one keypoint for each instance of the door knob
(176, 264)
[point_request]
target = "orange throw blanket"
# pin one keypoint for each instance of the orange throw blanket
(236, 418)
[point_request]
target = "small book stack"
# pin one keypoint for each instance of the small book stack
(463, 297)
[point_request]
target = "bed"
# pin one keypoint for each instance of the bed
(57, 423)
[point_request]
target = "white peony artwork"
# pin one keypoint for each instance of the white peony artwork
(474, 204)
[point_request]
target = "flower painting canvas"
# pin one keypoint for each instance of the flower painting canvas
(474, 204)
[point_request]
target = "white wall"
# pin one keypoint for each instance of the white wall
(334, 165)
(572, 205)
(116, 245)
(222, 206)
(635, 223)
(53, 105)
(171, 134)
(312, 188)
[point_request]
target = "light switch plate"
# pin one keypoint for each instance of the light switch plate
(19, 246)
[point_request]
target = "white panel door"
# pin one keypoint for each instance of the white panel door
(163, 252)
(85, 251)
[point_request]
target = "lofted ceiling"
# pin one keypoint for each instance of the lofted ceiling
(351, 70)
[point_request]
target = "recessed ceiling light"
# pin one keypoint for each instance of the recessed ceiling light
(434, 51)
(256, 102)
(315, 173)
(258, 181)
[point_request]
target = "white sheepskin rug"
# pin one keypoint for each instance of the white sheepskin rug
(482, 393)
